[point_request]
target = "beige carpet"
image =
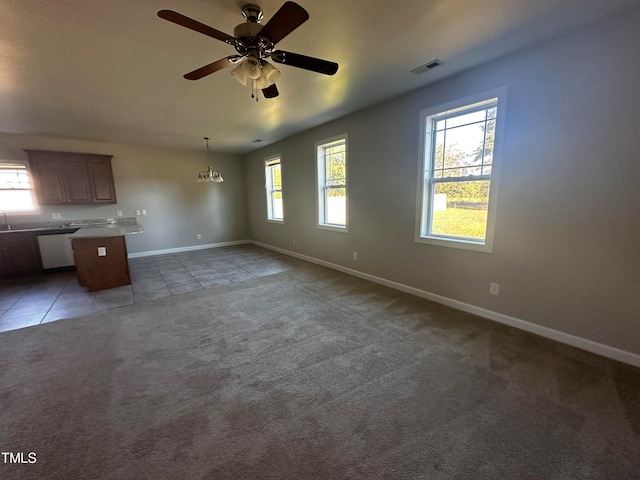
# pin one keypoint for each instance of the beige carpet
(309, 374)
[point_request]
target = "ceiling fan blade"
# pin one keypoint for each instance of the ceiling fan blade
(302, 61)
(187, 22)
(270, 92)
(286, 20)
(211, 68)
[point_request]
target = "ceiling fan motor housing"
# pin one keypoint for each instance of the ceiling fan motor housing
(247, 30)
(248, 41)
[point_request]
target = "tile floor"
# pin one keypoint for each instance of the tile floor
(30, 301)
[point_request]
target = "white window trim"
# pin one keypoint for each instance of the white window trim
(268, 161)
(36, 204)
(422, 197)
(319, 188)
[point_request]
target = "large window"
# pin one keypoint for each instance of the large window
(15, 188)
(273, 184)
(458, 182)
(332, 183)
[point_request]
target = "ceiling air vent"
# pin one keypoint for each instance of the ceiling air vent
(427, 66)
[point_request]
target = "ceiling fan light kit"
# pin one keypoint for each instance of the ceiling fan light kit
(254, 43)
(269, 76)
(251, 67)
(239, 75)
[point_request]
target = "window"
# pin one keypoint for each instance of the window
(332, 183)
(460, 145)
(273, 184)
(15, 188)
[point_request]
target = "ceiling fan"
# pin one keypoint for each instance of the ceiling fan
(254, 43)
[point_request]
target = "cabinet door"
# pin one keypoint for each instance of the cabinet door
(47, 180)
(72, 178)
(98, 272)
(101, 179)
(20, 254)
(76, 179)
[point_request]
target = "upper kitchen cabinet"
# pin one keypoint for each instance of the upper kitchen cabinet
(101, 179)
(62, 178)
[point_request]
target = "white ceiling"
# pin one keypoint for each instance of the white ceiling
(111, 70)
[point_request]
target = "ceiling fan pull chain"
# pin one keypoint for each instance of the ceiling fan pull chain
(254, 90)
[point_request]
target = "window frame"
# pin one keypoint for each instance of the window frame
(269, 162)
(425, 176)
(322, 188)
(22, 164)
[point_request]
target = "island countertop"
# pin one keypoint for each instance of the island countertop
(111, 230)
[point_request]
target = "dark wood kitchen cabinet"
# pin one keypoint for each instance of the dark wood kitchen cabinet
(101, 262)
(19, 254)
(64, 178)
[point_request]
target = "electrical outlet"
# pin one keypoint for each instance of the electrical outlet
(102, 251)
(144, 212)
(119, 213)
(56, 216)
(494, 288)
(199, 237)
(355, 255)
(138, 212)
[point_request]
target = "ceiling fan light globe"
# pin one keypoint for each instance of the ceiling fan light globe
(239, 75)
(270, 73)
(251, 68)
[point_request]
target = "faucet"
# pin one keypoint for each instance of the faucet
(6, 220)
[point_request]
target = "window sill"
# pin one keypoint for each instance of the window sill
(478, 246)
(334, 228)
(273, 220)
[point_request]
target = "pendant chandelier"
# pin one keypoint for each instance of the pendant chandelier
(209, 175)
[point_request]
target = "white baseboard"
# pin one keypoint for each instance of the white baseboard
(562, 337)
(186, 249)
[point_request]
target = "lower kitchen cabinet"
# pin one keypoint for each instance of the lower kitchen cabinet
(101, 262)
(19, 254)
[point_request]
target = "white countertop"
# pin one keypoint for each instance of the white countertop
(112, 230)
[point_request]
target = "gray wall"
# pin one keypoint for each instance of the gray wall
(160, 180)
(567, 240)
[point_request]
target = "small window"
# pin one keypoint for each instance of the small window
(332, 183)
(15, 188)
(273, 176)
(458, 184)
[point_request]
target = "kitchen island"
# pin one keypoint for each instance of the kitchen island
(100, 253)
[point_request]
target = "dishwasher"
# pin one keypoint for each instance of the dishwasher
(55, 250)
